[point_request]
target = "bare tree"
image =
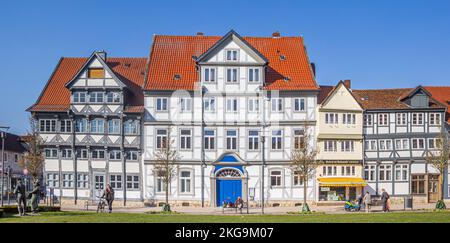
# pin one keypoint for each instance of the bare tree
(439, 159)
(303, 162)
(165, 166)
(33, 160)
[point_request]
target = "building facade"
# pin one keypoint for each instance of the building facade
(89, 118)
(227, 102)
(400, 127)
(13, 153)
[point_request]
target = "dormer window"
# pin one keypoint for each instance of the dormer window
(232, 55)
(96, 73)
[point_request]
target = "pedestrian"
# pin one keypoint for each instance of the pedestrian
(239, 204)
(108, 195)
(21, 197)
(367, 201)
(384, 200)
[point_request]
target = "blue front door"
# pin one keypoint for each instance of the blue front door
(228, 190)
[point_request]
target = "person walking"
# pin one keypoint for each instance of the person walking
(108, 195)
(21, 197)
(367, 201)
(384, 200)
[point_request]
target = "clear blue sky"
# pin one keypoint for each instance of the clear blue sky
(376, 44)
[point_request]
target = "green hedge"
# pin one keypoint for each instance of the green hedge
(1, 213)
(12, 209)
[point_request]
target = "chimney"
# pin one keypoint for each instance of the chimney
(200, 34)
(313, 67)
(348, 83)
(276, 34)
(102, 54)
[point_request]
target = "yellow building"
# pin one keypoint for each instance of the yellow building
(340, 144)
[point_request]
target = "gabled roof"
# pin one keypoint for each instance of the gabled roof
(441, 94)
(55, 97)
(171, 55)
(388, 98)
(326, 92)
(13, 143)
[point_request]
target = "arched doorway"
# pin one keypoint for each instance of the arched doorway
(228, 185)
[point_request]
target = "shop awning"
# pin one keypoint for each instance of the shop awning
(342, 181)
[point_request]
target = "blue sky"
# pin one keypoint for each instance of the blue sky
(376, 44)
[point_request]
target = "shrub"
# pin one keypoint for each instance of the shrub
(440, 205)
(1, 213)
(12, 209)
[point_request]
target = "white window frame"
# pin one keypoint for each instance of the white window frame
(253, 105)
(276, 105)
(97, 97)
(52, 179)
(368, 120)
(116, 181)
(296, 179)
(50, 153)
(231, 141)
(370, 145)
(331, 118)
(81, 125)
(347, 146)
(232, 105)
(98, 154)
(209, 104)
(185, 139)
(383, 119)
(234, 55)
(401, 172)
(370, 173)
(232, 77)
(417, 119)
(161, 137)
(401, 119)
(299, 104)
(82, 154)
(403, 142)
(161, 104)
(383, 144)
(133, 182)
(67, 180)
(209, 75)
(97, 126)
(415, 142)
(132, 155)
(114, 126)
(47, 125)
(113, 97)
(435, 119)
(385, 172)
(328, 148)
(185, 179)
(253, 140)
(66, 153)
(278, 145)
(299, 137)
(115, 155)
(185, 104)
(79, 97)
(278, 178)
(254, 75)
(211, 146)
(83, 180)
(348, 119)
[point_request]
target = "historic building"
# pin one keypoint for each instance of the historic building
(400, 127)
(230, 104)
(13, 153)
(339, 144)
(89, 117)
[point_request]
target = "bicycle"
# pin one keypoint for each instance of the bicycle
(101, 205)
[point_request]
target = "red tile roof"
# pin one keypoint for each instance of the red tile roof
(172, 55)
(56, 97)
(441, 94)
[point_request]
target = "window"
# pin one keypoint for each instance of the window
(401, 118)
(115, 155)
(82, 154)
(96, 97)
(331, 118)
(232, 75)
(83, 181)
(97, 126)
(161, 104)
(330, 146)
(66, 126)
(210, 75)
(275, 178)
(329, 170)
(209, 104)
(52, 180)
(231, 55)
(385, 144)
(434, 143)
(115, 181)
(297, 178)
(232, 105)
(253, 75)
(435, 119)
(370, 145)
(299, 104)
(417, 184)
(114, 126)
(66, 153)
(161, 138)
(232, 139)
(51, 153)
(347, 146)
(401, 172)
(160, 183)
(299, 138)
(98, 154)
(185, 139)
(417, 118)
(402, 144)
(132, 155)
(67, 180)
(79, 97)
(368, 120)
(81, 125)
(277, 139)
(253, 105)
(96, 73)
(369, 172)
(132, 182)
(277, 104)
(348, 119)
(383, 119)
(113, 97)
(210, 137)
(418, 143)
(185, 181)
(131, 127)
(16, 158)
(185, 104)
(47, 125)
(348, 170)
(385, 173)
(253, 140)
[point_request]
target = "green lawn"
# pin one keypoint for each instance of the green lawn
(90, 217)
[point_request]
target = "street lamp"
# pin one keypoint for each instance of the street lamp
(3, 136)
(263, 165)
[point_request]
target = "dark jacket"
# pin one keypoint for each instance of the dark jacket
(20, 189)
(108, 195)
(384, 196)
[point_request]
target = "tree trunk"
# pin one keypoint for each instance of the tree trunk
(305, 190)
(441, 185)
(167, 193)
